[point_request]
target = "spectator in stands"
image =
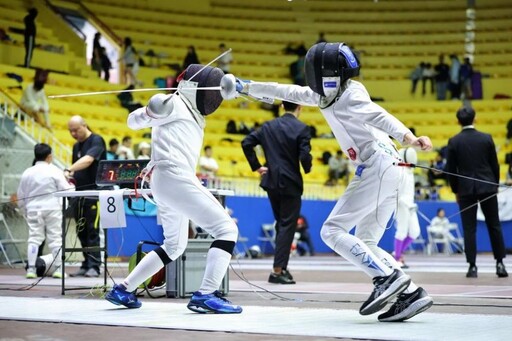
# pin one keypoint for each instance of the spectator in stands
(208, 166)
(473, 154)
(96, 54)
(30, 35)
(88, 151)
(34, 102)
(428, 75)
(126, 100)
(130, 60)
(508, 179)
(125, 150)
(321, 38)
(440, 227)
(4, 36)
(437, 166)
(144, 151)
(113, 145)
(338, 168)
(106, 65)
(301, 49)
(224, 63)
(286, 143)
(466, 72)
(42, 210)
(416, 76)
(297, 71)
(454, 76)
(304, 237)
(191, 57)
(509, 132)
(442, 78)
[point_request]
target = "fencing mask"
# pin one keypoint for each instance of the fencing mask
(328, 65)
(205, 101)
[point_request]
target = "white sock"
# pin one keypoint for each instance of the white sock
(217, 262)
(358, 253)
(391, 262)
(147, 267)
(57, 261)
(32, 250)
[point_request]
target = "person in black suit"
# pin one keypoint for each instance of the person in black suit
(472, 153)
(286, 143)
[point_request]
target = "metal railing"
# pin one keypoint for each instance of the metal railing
(33, 130)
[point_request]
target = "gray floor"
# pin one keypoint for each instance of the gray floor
(322, 305)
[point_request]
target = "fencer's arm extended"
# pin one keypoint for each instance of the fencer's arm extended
(302, 95)
(139, 119)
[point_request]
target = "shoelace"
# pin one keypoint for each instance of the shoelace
(219, 295)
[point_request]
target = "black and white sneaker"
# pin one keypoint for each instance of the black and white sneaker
(386, 288)
(407, 306)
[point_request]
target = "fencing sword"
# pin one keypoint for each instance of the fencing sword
(227, 86)
(413, 165)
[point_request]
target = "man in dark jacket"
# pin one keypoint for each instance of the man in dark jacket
(472, 154)
(286, 144)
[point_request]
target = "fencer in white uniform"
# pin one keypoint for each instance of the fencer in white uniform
(361, 128)
(407, 224)
(43, 211)
(178, 124)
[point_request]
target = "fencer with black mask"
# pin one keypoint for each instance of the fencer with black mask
(178, 123)
(362, 129)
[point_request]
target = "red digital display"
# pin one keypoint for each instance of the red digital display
(119, 172)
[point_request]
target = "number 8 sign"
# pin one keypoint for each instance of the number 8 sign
(112, 212)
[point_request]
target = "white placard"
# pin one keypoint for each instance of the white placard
(112, 212)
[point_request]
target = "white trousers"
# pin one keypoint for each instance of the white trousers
(41, 223)
(181, 197)
(367, 205)
(407, 224)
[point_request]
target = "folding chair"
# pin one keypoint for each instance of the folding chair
(451, 243)
(7, 239)
(269, 234)
(243, 242)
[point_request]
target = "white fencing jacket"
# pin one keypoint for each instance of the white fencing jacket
(37, 186)
(176, 139)
(360, 126)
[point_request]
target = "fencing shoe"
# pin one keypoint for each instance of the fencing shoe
(31, 273)
(407, 306)
(212, 303)
(119, 296)
(386, 287)
(500, 270)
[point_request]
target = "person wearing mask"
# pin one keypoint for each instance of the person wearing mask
(362, 129)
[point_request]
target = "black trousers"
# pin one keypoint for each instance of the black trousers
(490, 211)
(29, 48)
(286, 209)
(86, 211)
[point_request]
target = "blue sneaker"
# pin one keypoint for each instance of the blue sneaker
(212, 303)
(119, 296)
